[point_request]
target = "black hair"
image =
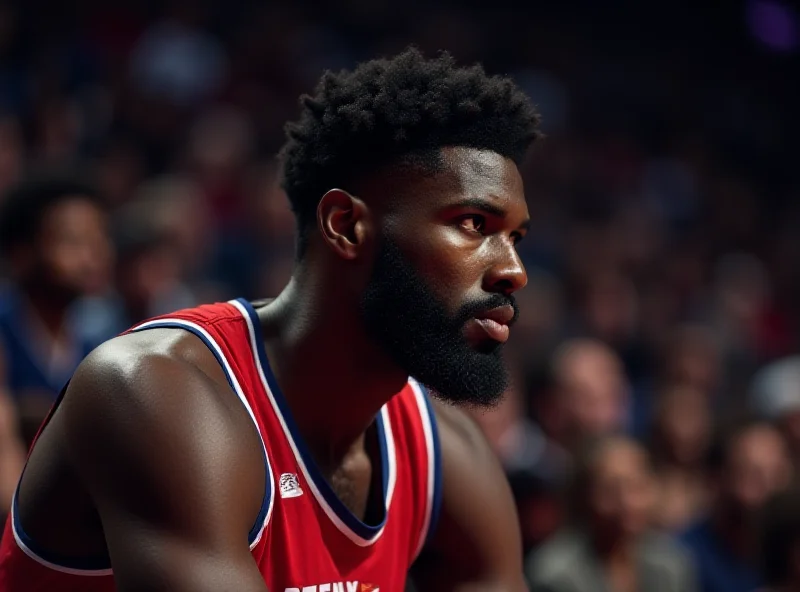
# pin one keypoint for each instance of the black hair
(780, 535)
(25, 204)
(390, 110)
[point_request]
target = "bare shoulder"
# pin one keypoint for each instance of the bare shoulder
(457, 426)
(143, 386)
(152, 355)
(470, 466)
(163, 448)
(477, 540)
(466, 452)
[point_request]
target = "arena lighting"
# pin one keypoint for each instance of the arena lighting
(773, 24)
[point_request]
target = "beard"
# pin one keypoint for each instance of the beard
(403, 315)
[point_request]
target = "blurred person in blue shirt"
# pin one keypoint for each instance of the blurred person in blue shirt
(748, 462)
(55, 244)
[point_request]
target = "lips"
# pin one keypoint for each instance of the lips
(502, 315)
(493, 323)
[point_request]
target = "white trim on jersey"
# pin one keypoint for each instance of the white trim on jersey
(53, 566)
(210, 342)
(330, 512)
(422, 405)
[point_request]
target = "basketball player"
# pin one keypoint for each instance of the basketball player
(282, 445)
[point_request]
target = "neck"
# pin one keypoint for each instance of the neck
(333, 376)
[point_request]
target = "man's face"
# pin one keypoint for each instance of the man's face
(592, 390)
(73, 253)
(621, 497)
(439, 298)
(758, 466)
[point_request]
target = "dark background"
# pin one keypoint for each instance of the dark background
(664, 200)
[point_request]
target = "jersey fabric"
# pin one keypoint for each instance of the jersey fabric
(304, 538)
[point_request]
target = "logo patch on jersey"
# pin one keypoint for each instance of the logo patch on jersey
(290, 486)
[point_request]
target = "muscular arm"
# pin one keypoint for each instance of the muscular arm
(164, 456)
(477, 544)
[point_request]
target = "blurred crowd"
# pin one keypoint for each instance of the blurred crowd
(653, 429)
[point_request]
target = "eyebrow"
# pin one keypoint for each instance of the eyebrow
(477, 203)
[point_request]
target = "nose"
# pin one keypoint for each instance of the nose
(507, 273)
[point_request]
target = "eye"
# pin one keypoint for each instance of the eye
(517, 237)
(473, 223)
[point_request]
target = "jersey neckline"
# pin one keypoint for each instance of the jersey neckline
(349, 524)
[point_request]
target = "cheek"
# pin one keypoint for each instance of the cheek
(57, 258)
(448, 262)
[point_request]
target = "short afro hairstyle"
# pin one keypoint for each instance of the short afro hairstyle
(390, 109)
(25, 204)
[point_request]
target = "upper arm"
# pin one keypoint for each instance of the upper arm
(169, 473)
(476, 544)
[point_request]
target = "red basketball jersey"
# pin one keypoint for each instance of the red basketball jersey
(304, 539)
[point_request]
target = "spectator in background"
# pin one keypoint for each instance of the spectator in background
(534, 467)
(780, 542)
(748, 462)
(741, 296)
(159, 243)
(692, 358)
(587, 396)
(689, 357)
(775, 395)
(148, 284)
(176, 59)
(608, 545)
(54, 238)
(578, 393)
(680, 439)
(173, 205)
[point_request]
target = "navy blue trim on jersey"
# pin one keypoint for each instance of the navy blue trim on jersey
(262, 514)
(97, 563)
(365, 531)
(436, 502)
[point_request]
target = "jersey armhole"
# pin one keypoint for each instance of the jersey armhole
(434, 478)
(265, 512)
(78, 566)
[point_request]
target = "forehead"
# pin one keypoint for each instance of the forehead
(467, 173)
(71, 211)
(620, 456)
(757, 441)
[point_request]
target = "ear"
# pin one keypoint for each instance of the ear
(344, 224)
